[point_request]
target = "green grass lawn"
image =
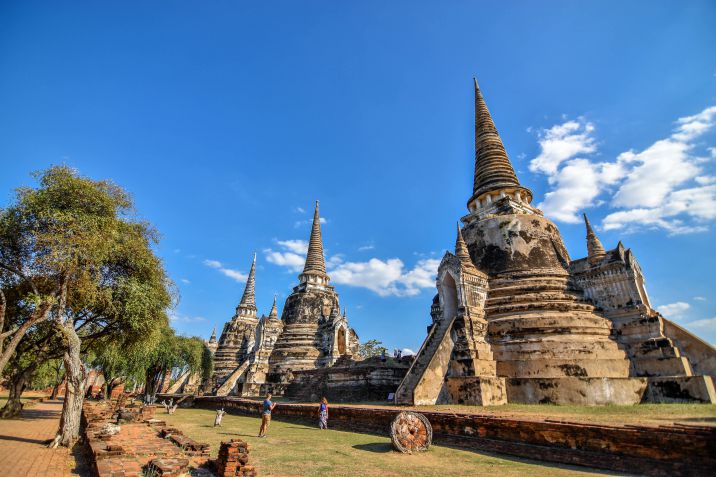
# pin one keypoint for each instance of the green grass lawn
(299, 450)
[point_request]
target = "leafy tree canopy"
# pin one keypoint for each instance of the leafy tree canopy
(371, 348)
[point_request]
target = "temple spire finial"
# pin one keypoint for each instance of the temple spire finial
(595, 249)
(248, 299)
(493, 170)
(315, 261)
(461, 250)
(212, 339)
(274, 309)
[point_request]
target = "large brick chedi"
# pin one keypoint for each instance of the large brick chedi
(537, 328)
(314, 333)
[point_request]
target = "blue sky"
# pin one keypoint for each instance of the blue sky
(226, 120)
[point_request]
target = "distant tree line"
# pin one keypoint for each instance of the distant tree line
(81, 288)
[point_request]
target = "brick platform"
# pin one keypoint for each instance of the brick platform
(23, 448)
(138, 445)
(660, 451)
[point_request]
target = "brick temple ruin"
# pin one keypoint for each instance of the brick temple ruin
(257, 355)
(517, 320)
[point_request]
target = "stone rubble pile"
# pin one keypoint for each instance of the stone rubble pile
(168, 467)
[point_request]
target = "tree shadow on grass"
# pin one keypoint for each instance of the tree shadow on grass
(695, 421)
(377, 447)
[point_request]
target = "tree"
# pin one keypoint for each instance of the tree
(89, 268)
(171, 352)
(49, 374)
(371, 348)
(207, 364)
(30, 364)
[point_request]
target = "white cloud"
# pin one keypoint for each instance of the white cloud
(292, 257)
(186, 281)
(300, 210)
(704, 328)
(656, 171)
(408, 352)
(700, 298)
(301, 223)
(334, 260)
(661, 187)
(234, 274)
(179, 318)
(290, 260)
(674, 311)
(705, 324)
(690, 127)
(576, 186)
(295, 246)
(366, 247)
(697, 204)
(384, 277)
(562, 142)
(231, 273)
(387, 277)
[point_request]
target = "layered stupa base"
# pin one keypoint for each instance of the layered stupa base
(517, 320)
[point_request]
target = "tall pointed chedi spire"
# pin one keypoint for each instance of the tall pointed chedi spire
(493, 170)
(247, 306)
(212, 339)
(274, 310)
(315, 262)
(595, 249)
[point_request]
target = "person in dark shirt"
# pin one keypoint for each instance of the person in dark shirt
(266, 415)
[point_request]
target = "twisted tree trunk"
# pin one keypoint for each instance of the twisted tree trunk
(75, 377)
(16, 386)
(40, 313)
(56, 390)
(69, 430)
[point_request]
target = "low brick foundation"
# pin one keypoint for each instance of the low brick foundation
(137, 444)
(660, 451)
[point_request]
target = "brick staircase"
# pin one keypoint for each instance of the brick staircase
(230, 382)
(434, 353)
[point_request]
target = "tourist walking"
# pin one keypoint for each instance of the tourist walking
(323, 414)
(266, 415)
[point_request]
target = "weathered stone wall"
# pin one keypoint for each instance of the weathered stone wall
(361, 381)
(540, 325)
(504, 243)
(614, 282)
(660, 451)
(299, 346)
(236, 343)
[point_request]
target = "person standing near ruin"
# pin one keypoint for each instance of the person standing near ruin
(266, 415)
(323, 414)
